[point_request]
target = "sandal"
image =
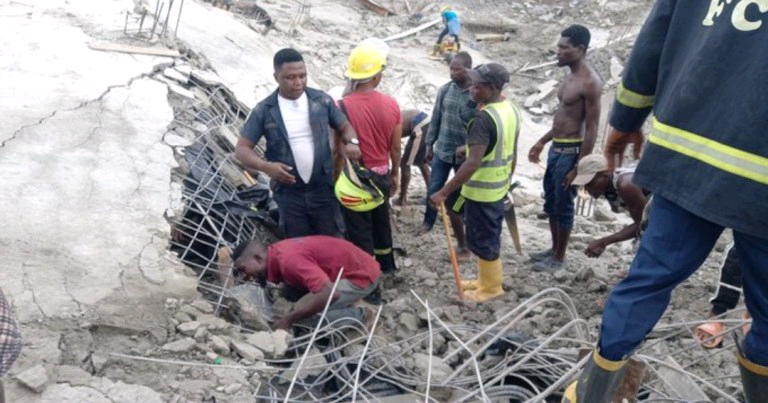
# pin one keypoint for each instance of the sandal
(709, 335)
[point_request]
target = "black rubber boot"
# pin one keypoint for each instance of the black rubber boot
(754, 380)
(597, 383)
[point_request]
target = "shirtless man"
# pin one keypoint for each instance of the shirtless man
(573, 136)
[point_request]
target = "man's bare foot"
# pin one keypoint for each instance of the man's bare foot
(400, 201)
(423, 229)
(463, 255)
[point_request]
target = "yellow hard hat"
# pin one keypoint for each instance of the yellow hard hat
(365, 61)
(356, 191)
(444, 9)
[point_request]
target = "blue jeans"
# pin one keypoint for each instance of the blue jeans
(559, 202)
(673, 247)
(438, 178)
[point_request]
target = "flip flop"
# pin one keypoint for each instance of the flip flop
(709, 335)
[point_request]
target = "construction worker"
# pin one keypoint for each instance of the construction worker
(295, 122)
(700, 68)
(10, 340)
(378, 124)
(415, 127)
(311, 265)
(453, 110)
(617, 187)
(452, 26)
(484, 177)
(573, 135)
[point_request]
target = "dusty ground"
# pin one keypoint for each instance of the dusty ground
(86, 165)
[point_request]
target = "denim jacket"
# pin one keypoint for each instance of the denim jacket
(265, 120)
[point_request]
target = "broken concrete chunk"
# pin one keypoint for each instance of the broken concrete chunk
(188, 328)
(98, 361)
(263, 341)
(247, 351)
(440, 370)
(180, 346)
(219, 345)
(181, 91)
(34, 378)
(189, 310)
(410, 321)
(249, 304)
(281, 339)
(182, 317)
(213, 323)
(233, 388)
(314, 365)
(203, 306)
(74, 376)
(200, 334)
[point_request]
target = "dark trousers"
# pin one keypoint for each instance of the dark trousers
(729, 288)
(673, 247)
(445, 32)
(371, 231)
(308, 211)
(559, 202)
(484, 225)
(437, 179)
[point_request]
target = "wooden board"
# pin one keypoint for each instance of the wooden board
(143, 50)
(377, 8)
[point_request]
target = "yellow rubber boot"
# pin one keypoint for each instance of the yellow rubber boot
(598, 382)
(489, 280)
(754, 380)
(435, 51)
(470, 285)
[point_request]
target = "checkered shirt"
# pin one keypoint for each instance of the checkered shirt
(10, 338)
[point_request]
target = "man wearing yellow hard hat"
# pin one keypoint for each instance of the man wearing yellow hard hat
(378, 124)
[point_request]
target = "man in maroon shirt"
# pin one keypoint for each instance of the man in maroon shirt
(312, 264)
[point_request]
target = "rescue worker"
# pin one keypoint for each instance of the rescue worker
(452, 27)
(700, 68)
(311, 265)
(484, 177)
(295, 120)
(621, 193)
(378, 124)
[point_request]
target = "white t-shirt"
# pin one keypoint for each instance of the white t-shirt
(296, 120)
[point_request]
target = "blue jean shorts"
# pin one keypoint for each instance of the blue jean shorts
(559, 202)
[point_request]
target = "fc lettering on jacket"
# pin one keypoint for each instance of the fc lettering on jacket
(738, 15)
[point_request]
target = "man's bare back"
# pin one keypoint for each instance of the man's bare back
(570, 119)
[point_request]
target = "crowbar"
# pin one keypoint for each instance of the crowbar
(452, 251)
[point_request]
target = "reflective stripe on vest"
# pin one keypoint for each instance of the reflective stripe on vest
(633, 99)
(490, 181)
(708, 151)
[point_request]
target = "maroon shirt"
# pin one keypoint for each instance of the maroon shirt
(373, 115)
(313, 261)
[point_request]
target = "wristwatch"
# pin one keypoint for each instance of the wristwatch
(354, 141)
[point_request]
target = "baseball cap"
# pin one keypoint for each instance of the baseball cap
(588, 167)
(491, 73)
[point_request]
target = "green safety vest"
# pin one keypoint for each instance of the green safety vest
(491, 180)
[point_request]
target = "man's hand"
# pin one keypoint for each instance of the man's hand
(352, 151)
(461, 152)
(535, 152)
(428, 154)
(438, 198)
(280, 321)
(279, 172)
(595, 248)
(617, 143)
(569, 177)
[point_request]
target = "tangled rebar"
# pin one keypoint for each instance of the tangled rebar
(221, 206)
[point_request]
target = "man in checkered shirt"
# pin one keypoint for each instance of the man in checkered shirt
(10, 340)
